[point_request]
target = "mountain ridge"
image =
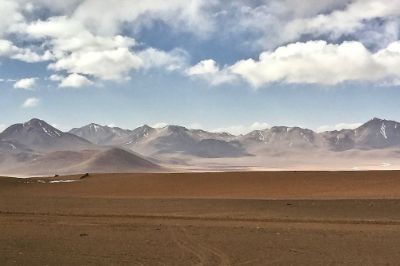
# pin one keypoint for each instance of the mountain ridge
(173, 139)
(37, 147)
(374, 134)
(37, 134)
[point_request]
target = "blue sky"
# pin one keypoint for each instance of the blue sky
(219, 65)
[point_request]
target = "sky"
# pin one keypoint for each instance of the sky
(218, 65)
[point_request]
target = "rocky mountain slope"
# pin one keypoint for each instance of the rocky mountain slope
(38, 135)
(102, 135)
(375, 134)
(36, 147)
(167, 140)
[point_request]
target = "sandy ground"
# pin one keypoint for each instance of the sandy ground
(264, 218)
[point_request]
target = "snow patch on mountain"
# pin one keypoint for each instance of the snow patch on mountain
(383, 131)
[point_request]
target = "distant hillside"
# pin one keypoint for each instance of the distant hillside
(93, 161)
(38, 135)
(167, 140)
(35, 147)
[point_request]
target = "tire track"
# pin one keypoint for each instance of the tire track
(206, 254)
(185, 245)
(204, 218)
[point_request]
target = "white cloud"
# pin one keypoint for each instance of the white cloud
(339, 126)
(205, 67)
(108, 65)
(25, 84)
(8, 49)
(75, 81)
(56, 77)
(344, 21)
(9, 13)
(77, 50)
(310, 62)
(31, 102)
(259, 125)
(195, 126)
(159, 125)
(182, 15)
(173, 60)
(242, 129)
(390, 83)
(315, 62)
(274, 23)
(211, 72)
(76, 39)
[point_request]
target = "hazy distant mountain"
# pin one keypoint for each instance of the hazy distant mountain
(180, 140)
(138, 135)
(12, 146)
(38, 135)
(167, 140)
(281, 139)
(339, 140)
(103, 135)
(217, 148)
(375, 134)
(202, 134)
(35, 147)
(93, 161)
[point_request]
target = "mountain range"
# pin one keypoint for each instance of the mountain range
(35, 147)
(375, 134)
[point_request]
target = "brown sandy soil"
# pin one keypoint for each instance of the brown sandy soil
(266, 218)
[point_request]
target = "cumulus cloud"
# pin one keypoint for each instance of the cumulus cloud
(182, 15)
(31, 102)
(339, 126)
(271, 23)
(56, 77)
(172, 60)
(78, 50)
(75, 39)
(75, 81)
(10, 14)
(211, 72)
(107, 64)
(25, 84)
(314, 62)
(277, 22)
(311, 62)
(8, 49)
(343, 21)
(205, 67)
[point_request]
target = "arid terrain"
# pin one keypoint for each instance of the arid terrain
(248, 218)
(36, 148)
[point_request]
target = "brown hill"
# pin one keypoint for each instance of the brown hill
(118, 160)
(73, 162)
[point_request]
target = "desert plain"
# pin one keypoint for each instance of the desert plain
(229, 218)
